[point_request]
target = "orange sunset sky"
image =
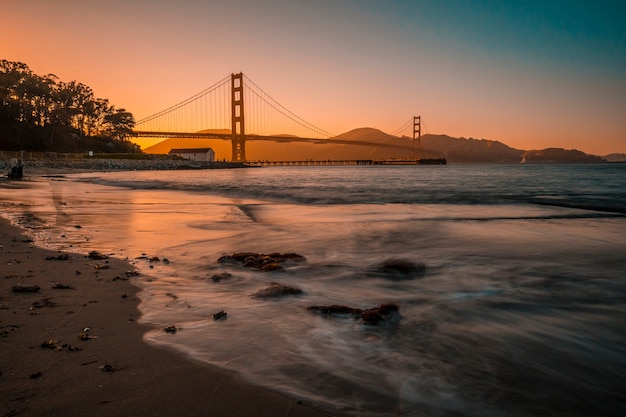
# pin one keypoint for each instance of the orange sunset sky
(532, 74)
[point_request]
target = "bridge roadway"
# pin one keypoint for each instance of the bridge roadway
(280, 139)
(337, 162)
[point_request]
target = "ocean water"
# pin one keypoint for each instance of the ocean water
(520, 309)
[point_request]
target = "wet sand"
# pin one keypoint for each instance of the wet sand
(47, 369)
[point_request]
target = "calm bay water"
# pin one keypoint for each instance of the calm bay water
(520, 312)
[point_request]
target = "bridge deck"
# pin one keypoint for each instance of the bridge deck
(438, 161)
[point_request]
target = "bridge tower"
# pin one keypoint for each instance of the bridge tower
(238, 130)
(417, 134)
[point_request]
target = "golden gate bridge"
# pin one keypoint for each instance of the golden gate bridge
(218, 112)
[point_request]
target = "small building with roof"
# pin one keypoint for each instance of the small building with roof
(194, 154)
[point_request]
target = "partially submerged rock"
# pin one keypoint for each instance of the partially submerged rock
(336, 310)
(396, 268)
(261, 262)
(384, 313)
(276, 290)
(97, 255)
(221, 276)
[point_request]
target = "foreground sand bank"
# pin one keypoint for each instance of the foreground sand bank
(47, 369)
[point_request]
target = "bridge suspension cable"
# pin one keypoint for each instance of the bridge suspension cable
(402, 128)
(209, 108)
(266, 122)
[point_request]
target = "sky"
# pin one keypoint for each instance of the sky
(531, 74)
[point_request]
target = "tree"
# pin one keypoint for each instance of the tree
(35, 110)
(119, 124)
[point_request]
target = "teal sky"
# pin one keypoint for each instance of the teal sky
(532, 74)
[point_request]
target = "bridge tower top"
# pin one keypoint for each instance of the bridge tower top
(238, 129)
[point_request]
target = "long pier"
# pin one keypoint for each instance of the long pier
(342, 162)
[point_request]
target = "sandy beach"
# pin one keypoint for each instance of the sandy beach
(51, 366)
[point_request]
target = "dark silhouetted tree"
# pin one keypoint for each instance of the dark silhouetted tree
(42, 113)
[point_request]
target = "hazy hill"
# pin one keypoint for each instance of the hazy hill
(560, 155)
(615, 157)
(470, 150)
(432, 146)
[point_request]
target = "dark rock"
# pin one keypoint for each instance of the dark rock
(270, 266)
(220, 315)
(336, 310)
(277, 290)
(259, 261)
(238, 257)
(221, 276)
(62, 257)
(385, 313)
(108, 368)
(97, 255)
(171, 329)
(401, 268)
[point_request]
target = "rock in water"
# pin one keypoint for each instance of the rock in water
(221, 276)
(277, 290)
(388, 313)
(401, 268)
(261, 262)
(384, 313)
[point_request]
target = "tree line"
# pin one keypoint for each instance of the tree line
(42, 113)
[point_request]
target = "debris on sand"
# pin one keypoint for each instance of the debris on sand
(49, 344)
(84, 335)
(25, 288)
(59, 286)
(62, 257)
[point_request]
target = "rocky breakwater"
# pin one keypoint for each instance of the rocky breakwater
(102, 164)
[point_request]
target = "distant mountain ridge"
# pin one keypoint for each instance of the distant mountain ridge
(432, 146)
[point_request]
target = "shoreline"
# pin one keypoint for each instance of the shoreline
(48, 369)
(53, 166)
